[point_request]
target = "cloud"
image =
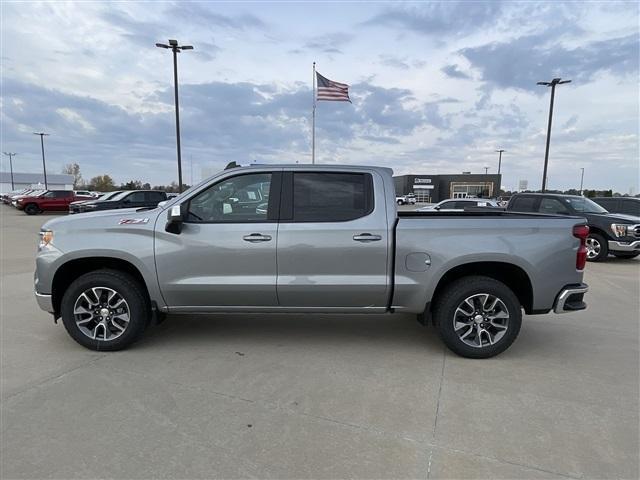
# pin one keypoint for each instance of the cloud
(200, 14)
(437, 18)
(454, 72)
(525, 60)
(394, 62)
(331, 43)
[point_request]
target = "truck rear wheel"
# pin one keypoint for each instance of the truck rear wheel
(477, 317)
(105, 310)
(31, 209)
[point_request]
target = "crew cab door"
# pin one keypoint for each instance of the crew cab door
(333, 241)
(56, 200)
(225, 254)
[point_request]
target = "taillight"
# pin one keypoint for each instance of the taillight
(581, 232)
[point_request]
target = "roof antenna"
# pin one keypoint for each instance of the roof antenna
(231, 165)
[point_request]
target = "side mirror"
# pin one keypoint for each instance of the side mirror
(175, 217)
(437, 207)
(162, 204)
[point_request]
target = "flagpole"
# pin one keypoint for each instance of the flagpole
(313, 118)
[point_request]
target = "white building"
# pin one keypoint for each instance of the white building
(27, 180)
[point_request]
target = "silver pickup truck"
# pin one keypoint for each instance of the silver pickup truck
(297, 239)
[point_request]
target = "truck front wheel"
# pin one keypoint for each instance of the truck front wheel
(477, 317)
(105, 310)
(597, 247)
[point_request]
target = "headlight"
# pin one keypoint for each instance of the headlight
(619, 230)
(46, 237)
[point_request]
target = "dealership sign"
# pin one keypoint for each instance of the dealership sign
(421, 180)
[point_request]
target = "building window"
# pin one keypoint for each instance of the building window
(474, 190)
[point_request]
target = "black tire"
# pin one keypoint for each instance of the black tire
(128, 288)
(400, 202)
(625, 254)
(597, 247)
(454, 295)
(31, 209)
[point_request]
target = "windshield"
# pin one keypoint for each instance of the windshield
(108, 196)
(121, 195)
(584, 205)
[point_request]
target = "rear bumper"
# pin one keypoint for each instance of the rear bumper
(570, 298)
(44, 302)
(624, 246)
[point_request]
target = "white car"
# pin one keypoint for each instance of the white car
(409, 199)
(459, 204)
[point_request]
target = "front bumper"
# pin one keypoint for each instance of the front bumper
(624, 246)
(570, 298)
(44, 302)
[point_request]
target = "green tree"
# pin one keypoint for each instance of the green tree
(102, 183)
(73, 169)
(131, 185)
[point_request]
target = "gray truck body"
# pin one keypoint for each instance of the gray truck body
(284, 266)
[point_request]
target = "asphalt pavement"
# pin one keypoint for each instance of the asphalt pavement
(317, 396)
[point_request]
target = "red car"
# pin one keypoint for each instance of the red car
(49, 201)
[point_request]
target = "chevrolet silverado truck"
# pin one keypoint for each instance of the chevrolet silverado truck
(302, 239)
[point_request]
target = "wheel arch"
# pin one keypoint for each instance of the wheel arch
(73, 269)
(511, 275)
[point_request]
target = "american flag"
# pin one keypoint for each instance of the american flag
(331, 91)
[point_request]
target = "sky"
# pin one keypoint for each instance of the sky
(436, 87)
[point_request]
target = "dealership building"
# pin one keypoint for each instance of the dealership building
(435, 188)
(55, 181)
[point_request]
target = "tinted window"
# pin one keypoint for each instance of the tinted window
(551, 205)
(584, 205)
(244, 198)
(630, 207)
(331, 197)
(448, 205)
(135, 197)
(522, 204)
(608, 203)
(155, 196)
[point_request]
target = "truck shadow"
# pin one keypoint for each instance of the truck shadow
(291, 329)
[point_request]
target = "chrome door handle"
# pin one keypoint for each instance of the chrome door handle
(256, 237)
(367, 237)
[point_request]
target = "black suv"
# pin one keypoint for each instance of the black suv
(617, 234)
(124, 199)
(627, 205)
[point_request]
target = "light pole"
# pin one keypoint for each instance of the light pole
(175, 48)
(501, 151)
(11, 155)
(552, 84)
(486, 170)
(581, 180)
(44, 165)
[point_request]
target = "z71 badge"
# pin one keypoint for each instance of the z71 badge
(133, 221)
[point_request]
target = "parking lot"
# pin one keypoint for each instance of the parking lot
(318, 396)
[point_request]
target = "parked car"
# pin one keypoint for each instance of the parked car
(85, 193)
(30, 192)
(408, 199)
(613, 233)
(459, 204)
(124, 199)
(75, 207)
(48, 201)
(626, 205)
(330, 240)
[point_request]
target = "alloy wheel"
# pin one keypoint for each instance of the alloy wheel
(481, 320)
(101, 313)
(593, 248)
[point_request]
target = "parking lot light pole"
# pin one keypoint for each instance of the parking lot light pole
(581, 180)
(552, 84)
(501, 151)
(44, 165)
(175, 48)
(11, 155)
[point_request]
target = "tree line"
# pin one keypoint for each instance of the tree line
(104, 183)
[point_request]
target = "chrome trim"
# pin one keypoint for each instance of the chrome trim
(565, 294)
(44, 302)
(624, 246)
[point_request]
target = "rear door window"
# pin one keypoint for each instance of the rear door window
(523, 204)
(135, 197)
(630, 207)
(155, 197)
(554, 206)
(331, 197)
